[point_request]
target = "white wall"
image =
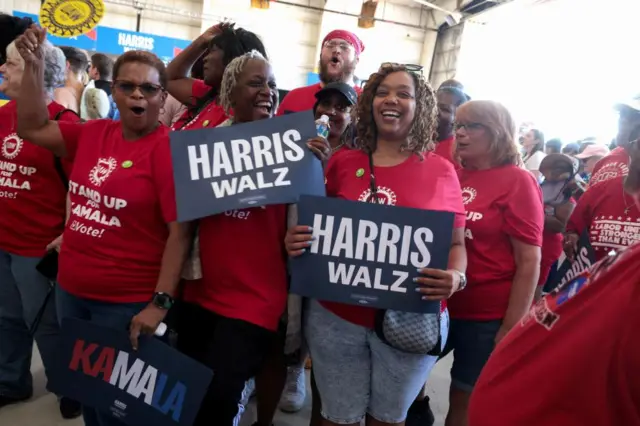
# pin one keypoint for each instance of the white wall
(123, 17)
(292, 35)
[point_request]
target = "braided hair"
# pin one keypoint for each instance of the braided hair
(234, 42)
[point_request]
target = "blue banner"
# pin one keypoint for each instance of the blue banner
(368, 254)
(585, 258)
(245, 165)
(156, 385)
(115, 42)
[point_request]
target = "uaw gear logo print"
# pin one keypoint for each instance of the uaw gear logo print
(468, 195)
(386, 196)
(609, 171)
(69, 18)
(102, 170)
(11, 146)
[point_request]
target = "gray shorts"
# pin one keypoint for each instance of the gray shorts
(357, 374)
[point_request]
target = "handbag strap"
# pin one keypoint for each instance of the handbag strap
(373, 187)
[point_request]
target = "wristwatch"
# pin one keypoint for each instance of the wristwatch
(162, 300)
(463, 280)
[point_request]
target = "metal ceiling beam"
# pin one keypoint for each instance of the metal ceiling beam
(338, 12)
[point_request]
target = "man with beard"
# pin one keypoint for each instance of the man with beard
(338, 60)
(450, 96)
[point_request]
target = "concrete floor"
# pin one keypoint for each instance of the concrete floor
(42, 409)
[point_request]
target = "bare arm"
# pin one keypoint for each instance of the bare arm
(175, 253)
(527, 258)
(557, 223)
(180, 84)
(33, 116)
(458, 252)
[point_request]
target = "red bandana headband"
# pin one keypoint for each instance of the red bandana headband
(347, 36)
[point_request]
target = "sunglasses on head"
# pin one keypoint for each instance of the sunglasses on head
(128, 88)
(412, 68)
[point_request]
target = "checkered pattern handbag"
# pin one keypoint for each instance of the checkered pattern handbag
(410, 332)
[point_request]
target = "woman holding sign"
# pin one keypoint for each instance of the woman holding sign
(123, 249)
(357, 374)
(230, 320)
(505, 221)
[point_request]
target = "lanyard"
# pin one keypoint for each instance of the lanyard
(373, 187)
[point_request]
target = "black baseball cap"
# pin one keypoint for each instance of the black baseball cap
(344, 89)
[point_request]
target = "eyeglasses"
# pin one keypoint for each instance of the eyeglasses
(148, 90)
(469, 127)
(412, 68)
(342, 45)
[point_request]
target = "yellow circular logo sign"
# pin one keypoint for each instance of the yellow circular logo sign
(70, 18)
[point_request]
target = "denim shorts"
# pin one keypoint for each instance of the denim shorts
(357, 374)
(472, 342)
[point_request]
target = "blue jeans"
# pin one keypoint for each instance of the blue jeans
(113, 315)
(22, 293)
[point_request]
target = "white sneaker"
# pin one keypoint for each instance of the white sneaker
(295, 391)
(248, 392)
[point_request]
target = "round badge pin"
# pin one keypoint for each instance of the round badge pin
(127, 164)
(205, 123)
(359, 172)
(71, 18)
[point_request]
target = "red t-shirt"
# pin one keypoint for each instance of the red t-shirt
(501, 203)
(210, 116)
(602, 210)
(613, 165)
(32, 193)
(244, 270)
(303, 99)
(429, 184)
(445, 148)
(574, 360)
(122, 198)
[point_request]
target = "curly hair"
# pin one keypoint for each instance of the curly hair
(425, 122)
(230, 78)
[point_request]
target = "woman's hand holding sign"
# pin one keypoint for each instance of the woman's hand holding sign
(146, 322)
(437, 284)
(298, 239)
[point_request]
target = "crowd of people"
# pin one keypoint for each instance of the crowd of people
(86, 173)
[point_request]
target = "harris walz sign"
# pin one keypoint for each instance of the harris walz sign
(245, 165)
(368, 254)
(156, 385)
(584, 259)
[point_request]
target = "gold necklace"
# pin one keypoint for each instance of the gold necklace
(627, 207)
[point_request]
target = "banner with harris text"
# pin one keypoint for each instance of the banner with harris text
(156, 385)
(245, 165)
(368, 254)
(568, 270)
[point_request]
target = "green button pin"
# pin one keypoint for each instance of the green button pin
(127, 164)
(205, 123)
(359, 172)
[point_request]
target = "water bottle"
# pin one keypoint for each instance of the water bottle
(322, 126)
